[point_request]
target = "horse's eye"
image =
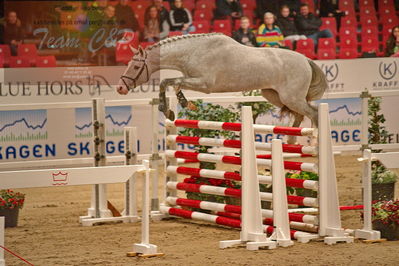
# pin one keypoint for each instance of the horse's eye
(136, 67)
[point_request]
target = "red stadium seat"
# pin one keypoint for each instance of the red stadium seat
(370, 32)
(222, 25)
(5, 53)
(327, 43)
(367, 11)
(205, 4)
(349, 21)
(203, 14)
(349, 42)
(189, 4)
(326, 54)
(46, 61)
(306, 47)
(347, 31)
(342, 4)
(140, 15)
(387, 11)
(28, 51)
(347, 53)
(385, 3)
(368, 20)
(123, 53)
(248, 4)
(19, 61)
(370, 45)
(366, 3)
(391, 19)
(201, 26)
(329, 23)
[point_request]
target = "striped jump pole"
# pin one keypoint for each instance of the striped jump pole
(217, 174)
(231, 143)
(291, 131)
(230, 222)
(206, 157)
(234, 209)
(233, 192)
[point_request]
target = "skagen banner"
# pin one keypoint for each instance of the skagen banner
(67, 133)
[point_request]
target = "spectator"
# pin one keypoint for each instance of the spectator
(393, 43)
(180, 18)
(245, 35)
(126, 17)
(13, 33)
(308, 24)
(287, 26)
(329, 9)
(163, 17)
(263, 6)
(269, 35)
(293, 6)
(226, 8)
(152, 26)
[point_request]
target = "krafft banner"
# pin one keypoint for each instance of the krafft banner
(67, 133)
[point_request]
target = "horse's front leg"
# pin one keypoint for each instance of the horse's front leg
(163, 104)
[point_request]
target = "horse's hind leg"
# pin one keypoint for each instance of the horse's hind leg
(272, 96)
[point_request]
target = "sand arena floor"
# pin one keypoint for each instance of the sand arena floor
(49, 234)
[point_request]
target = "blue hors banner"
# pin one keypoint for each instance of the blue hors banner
(62, 132)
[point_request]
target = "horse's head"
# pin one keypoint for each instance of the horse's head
(136, 72)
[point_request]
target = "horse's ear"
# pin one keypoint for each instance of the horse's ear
(141, 50)
(135, 51)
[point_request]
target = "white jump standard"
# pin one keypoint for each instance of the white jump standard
(326, 225)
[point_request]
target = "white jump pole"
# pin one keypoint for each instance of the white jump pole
(130, 137)
(2, 225)
(365, 118)
(280, 205)
(155, 161)
(330, 217)
(367, 231)
(251, 218)
(145, 248)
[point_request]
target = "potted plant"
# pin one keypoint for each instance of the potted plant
(10, 203)
(385, 217)
(383, 180)
(208, 112)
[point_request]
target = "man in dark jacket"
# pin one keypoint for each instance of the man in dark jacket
(287, 25)
(244, 35)
(226, 8)
(13, 33)
(126, 17)
(309, 24)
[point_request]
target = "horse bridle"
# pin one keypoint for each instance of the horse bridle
(138, 74)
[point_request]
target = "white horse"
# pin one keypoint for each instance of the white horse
(217, 63)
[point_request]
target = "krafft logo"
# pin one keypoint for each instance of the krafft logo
(331, 71)
(388, 70)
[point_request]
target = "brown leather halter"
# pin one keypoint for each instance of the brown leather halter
(138, 73)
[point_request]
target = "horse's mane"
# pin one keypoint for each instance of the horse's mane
(182, 37)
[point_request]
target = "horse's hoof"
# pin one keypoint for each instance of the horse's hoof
(170, 115)
(161, 108)
(192, 106)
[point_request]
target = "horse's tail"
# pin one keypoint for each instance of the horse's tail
(318, 85)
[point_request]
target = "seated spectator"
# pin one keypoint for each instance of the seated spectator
(293, 5)
(309, 24)
(153, 30)
(180, 18)
(244, 34)
(392, 48)
(126, 17)
(164, 21)
(226, 8)
(287, 25)
(263, 6)
(13, 32)
(269, 35)
(329, 9)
